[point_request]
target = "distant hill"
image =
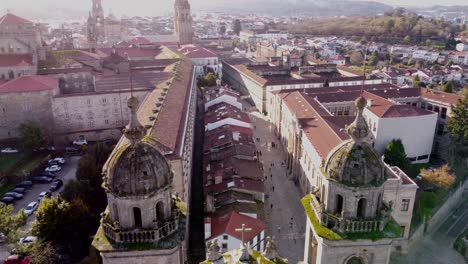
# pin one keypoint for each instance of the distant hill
(297, 7)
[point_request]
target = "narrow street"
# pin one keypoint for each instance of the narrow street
(283, 203)
(437, 248)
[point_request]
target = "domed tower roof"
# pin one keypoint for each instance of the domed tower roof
(136, 168)
(355, 161)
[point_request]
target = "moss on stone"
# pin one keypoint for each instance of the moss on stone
(321, 230)
(391, 230)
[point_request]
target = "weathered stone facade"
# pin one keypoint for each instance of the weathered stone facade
(183, 22)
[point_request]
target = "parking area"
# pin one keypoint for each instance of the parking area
(66, 174)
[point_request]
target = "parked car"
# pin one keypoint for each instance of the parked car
(19, 190)
(7, 200)
(42, 179)
(9, 151)
(56, 184)
(17, 259)
(58, 160)
(29, 210)
(80, 141)
(53, 168)
(24, 184)
(17, 196)
(27, 240)
(72, 150)
(43, 195)
(48, 174)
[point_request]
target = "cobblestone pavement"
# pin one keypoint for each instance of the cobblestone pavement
(283, 197)
(437, 248)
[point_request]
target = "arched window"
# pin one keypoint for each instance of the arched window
(160, 212)
(361, 208)
(116, 213)
(355, 260)
(137, 217)
(339, 204)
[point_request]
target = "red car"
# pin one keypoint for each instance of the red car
(17, 259)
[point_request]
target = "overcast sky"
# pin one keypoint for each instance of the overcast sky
(150, 7)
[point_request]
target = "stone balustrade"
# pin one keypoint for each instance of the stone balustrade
(143, 235)
(358, 226)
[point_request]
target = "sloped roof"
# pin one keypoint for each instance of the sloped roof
(29, 84)
(10, 19)
(228, 223)
(12, 60)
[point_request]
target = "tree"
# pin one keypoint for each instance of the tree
(39, 251)
(395, 154)
(356, 58)
(237, 27)
(373, 60)
(407, 39)
(31, 135)
(448, 87)
(222, 30)
(87, 186)
(10, 223)
(458, 123)
(440, 177)
(416, 82)
(67, 224)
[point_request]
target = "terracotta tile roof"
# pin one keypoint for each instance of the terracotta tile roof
(10, 19)
(222, 137)
(170, 123)
(29, 84)
(13, 60)
(227, 224)
(443, 97)
(196, 52)
(134, 53)
(139, 40)
(394, 111)
(222, 111)
(231, 168)
(257, 78)
(309, 113)
(237, 184)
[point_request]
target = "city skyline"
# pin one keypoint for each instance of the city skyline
(140, 7)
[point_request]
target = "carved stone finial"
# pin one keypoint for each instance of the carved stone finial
(271, 252)
(213, 251)
(134, 131)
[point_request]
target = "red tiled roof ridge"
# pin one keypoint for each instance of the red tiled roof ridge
(11, 19)
(228, 223)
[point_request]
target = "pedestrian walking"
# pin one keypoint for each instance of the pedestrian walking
(271, 176)
(279, 229)
(273, 188)
(294, 240)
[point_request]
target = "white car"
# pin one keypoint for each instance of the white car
(9, 150)
(59, 160)
(31, 208)
(53, 168)
(27, 240)
(80, 141)
(43, 195)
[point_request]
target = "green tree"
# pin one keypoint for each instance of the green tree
(373, 60)
(210, 79)
(10, 223)
(39, 251)
(222, 30)
(458, 123)
(416, 81)
(395, 154)
(356, 58)
(448, 87)
(68, 224)
(237, 27)
(31, 135)
(87, 186)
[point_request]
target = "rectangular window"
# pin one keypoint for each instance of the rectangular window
(423, 157)
(225, 237)
(414, 104)
(443, 113)
(403, 228)
(429, 107)
(436, 109)
(106, 121)
(423, 105)
(224, 245)
(405, 205)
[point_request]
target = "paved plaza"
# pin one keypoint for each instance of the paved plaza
(283, 201)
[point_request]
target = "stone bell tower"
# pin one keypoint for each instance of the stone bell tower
(183, 22)
(348, 220)
(97, 13)
(142, 223)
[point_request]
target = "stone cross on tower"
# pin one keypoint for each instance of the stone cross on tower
(243, 230)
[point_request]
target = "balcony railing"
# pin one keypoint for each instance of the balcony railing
(141, 236)
(343, 225)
